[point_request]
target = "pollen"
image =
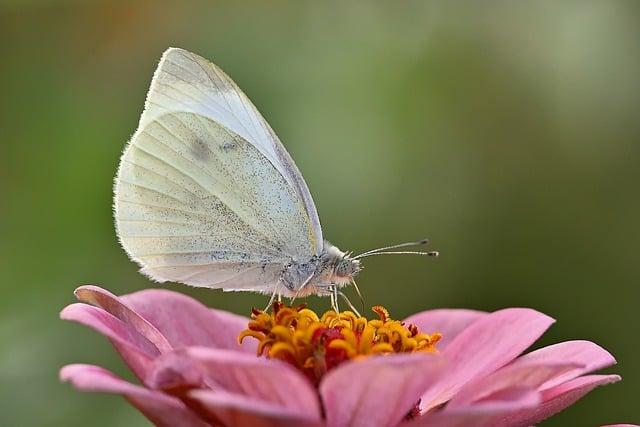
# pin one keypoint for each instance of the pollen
(316, 344)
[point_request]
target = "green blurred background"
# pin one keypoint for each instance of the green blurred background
(508, 133)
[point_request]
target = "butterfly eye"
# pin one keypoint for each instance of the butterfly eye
(344, 268)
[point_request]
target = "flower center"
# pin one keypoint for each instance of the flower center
(316, 344)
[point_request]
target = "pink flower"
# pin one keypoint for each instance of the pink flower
(193, 372)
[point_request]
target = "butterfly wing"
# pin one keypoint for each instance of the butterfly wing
(187, 82)
(197, 201)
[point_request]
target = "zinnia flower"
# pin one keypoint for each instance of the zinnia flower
(202, 367)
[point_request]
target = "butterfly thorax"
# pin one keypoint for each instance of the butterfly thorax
(317, 275)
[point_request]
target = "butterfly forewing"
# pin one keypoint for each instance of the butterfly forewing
(187, 82)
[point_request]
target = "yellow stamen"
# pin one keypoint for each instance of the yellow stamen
(382, 312)
(316, 344)
(281, 350)
(249, 333)
(342, 344)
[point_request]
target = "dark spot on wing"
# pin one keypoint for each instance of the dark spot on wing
(200, 150)
(228, 146)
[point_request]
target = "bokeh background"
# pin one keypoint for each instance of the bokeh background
(508, 133)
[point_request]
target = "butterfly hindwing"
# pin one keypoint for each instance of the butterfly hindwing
(198, 204)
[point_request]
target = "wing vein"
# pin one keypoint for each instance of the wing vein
(152, 190)
(248, 202)
(267, 220)
(235, 276)
(243, 102)
(195, 100)
(266, 246)
(158, 221)
(228, 109)
(222, 93)
(165, 177)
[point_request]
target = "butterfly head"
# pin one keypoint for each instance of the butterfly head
(338, 267)
(346, 269)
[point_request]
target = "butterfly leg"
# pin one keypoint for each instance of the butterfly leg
(334, 298)
(349, 303)
(273, 297)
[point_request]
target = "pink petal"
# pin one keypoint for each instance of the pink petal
(162, 410)
(241, 411)
(259, 379)
(449, 322)
(136, 350)
(186, 322)
(117, 307)
(531, 376)
(488, 344)
(175, 373)
(376, 391)
(560, 397)
(589, 355)
(488, 413)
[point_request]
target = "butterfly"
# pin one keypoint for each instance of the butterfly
(206, 194)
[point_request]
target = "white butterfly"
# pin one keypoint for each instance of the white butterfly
(206, 195)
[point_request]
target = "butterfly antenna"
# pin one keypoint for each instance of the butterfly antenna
(400, 245)
(430, 253)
